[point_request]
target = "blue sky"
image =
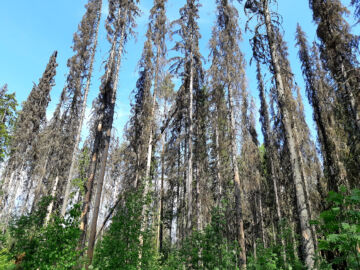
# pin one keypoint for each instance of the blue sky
(32, 30)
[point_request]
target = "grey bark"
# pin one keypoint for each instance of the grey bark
(306, 236)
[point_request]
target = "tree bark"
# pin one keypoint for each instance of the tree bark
(105, 154)
(307, 241)
(51, 205)
(238, 185)
(96, 151)
(160, 226)
(189, 176)
(82, 118)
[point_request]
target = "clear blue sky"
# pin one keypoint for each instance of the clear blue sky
(31, 30)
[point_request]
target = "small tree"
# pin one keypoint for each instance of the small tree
(8, 105)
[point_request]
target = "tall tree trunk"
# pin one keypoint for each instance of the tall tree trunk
(51, 205)
(96, 152)
(218, 163)
(238, 185)
(5, 188)
(271, 155)
(189, 176)
(153, 105)
(307, 241)
(159, 238)
(261, 214)
(81, 122)
(105, 154)
(150, 147)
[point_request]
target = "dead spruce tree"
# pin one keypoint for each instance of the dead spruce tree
(271, 157)
(23, 155)
(77, 90)
(119, 24)
(227, 72)
(141, 130)
(320, 94)
(270, 42)
(62, 135)
(192, 81)
(48, 148)
(338, 51)
(8, 117)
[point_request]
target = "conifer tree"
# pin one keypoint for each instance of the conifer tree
(77, 87)
(166, 95)
(250, 167)
(48, 150)
(175, 157)
(192, 77)
(158, 31)
(285, 103)
(270, 156)
(142, 125)
(227, 71)
(32, 116)
(119, 24)
(319, 93)
(140, 132)
(8, 105)
(31, 120)
(338, 51)
(62, 135)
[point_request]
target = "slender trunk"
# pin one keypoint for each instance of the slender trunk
(218, 163)
(39, 185)
(271, 158)
(159, 241)
(161, 214)
(294, 243)
(189, 176)
(51, 205)
(273, 230)
(150, 148)
(355, 110)
(307, 241)
(10, 202)
(150, 143)
(95, 154)
(307, 196)
(198, 202)
(105, 154)
(6, 187)
(81, 122)
(184, 194)
(278, 210)
(238, 185)
(262, 221)
(178, 195)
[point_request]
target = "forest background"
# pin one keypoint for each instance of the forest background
(152, 223)
(33, 31)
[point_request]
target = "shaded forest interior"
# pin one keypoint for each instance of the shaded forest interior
(191, 185)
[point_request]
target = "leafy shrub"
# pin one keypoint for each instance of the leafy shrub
(208, 249)
(46, 247)
(6, 262)
(120, 247)
(340, 229)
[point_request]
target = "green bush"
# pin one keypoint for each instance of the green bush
(120, 247)
(339, 227)
(6, 262)
(208, 249)
(46, 247)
